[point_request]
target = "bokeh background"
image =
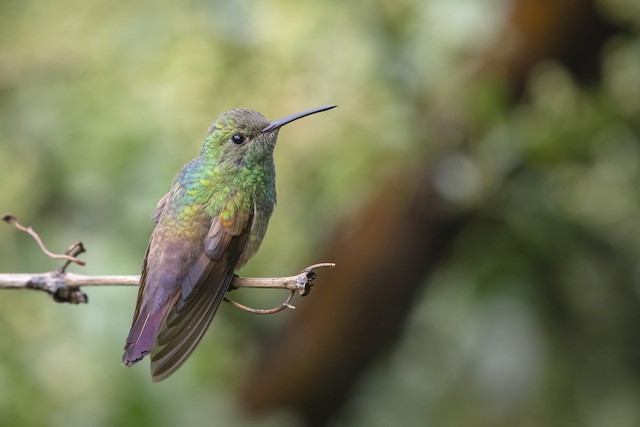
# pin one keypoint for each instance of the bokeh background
(478, 187)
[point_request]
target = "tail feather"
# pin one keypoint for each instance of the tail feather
(142, 336)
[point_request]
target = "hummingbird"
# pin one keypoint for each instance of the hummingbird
(209, 224)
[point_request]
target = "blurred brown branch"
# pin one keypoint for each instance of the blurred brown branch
(63, 286)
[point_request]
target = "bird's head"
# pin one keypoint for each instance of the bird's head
(241, 132)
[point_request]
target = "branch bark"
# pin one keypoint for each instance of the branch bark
(65, 287)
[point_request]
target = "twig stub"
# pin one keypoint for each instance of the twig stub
(54, 284)
(9, 218)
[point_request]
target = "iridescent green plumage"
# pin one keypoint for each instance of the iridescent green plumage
(211, 222)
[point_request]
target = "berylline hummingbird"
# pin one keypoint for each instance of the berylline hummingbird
(209, 224)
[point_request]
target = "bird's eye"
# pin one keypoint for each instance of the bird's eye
(237, 138)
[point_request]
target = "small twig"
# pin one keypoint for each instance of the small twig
(286, 304)
(8, 218)
(301, 282)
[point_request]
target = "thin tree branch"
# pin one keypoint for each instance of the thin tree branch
(286, 304)
(300, 282)
(63, 286)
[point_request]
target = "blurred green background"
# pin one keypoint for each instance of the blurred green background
(529, 316)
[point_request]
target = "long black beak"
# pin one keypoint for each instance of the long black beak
(283, 121)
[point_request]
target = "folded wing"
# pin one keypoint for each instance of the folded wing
(202, 290)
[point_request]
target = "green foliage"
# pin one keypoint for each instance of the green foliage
(532, 319)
